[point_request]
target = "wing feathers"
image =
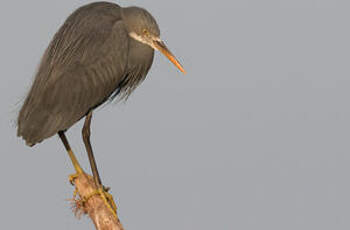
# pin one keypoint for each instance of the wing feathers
(81, 68)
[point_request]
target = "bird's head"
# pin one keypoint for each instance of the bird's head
(142, 27)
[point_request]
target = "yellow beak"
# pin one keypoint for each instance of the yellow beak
(162, 48)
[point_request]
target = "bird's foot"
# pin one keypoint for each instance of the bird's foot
(74, 176)
(102, 191)
(106, 197)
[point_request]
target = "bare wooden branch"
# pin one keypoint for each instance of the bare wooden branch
(99, 212)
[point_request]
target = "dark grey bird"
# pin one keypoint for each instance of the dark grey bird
(101, 51)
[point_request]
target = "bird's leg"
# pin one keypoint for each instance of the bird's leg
(86, 138)
(74, 160)
(100, 188)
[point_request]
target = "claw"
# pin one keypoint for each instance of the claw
(106, 189)
(72, 178)
(75, 193)
(110, 200)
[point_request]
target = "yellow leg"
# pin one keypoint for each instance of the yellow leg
(72, 157)
(75, 162)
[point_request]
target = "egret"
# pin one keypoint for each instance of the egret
(101, 51)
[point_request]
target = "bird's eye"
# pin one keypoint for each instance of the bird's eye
(145, 32)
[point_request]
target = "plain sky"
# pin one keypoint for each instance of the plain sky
(255, 136)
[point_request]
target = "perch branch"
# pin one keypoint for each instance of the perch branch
(94, 206)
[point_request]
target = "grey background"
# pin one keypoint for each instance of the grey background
(255, 136)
